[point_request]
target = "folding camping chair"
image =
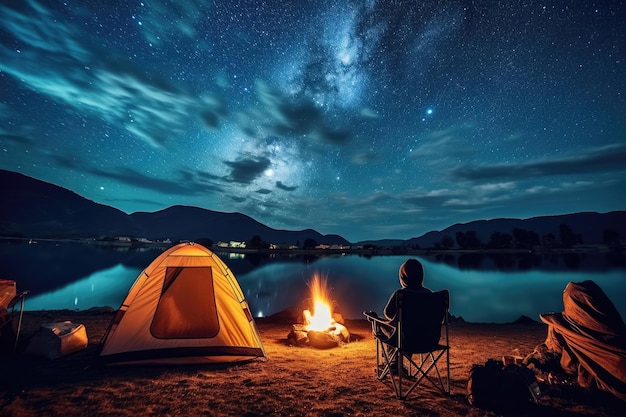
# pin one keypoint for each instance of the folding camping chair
(9, 301)
(412, 349)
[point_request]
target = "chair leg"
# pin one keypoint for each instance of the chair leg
(393, 365)
(19, 325)
(411, 372)
(401, 382)
(388, 357)
(384, 359)
(425, 368)
(430, 364)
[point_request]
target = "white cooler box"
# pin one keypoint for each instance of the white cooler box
(54, 340)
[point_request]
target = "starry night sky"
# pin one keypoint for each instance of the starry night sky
(370, 119)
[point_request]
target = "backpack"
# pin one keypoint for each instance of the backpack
(493, 386)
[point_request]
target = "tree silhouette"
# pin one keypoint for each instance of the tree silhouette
(309, 243)
(568, 238)
(447, 242)
(611, 237)
(468, 240)
(257, 243)
(548, 239)
(204, 241)
(525, 238)
(500, 241)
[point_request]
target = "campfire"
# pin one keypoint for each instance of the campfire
(318, 325)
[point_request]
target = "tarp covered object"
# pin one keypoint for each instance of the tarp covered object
(590, 337)
(55, 340)
(7, 292)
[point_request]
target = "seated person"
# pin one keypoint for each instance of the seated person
(411, 276)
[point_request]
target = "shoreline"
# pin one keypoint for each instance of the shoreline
(376, 251)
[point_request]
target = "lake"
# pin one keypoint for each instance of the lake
(483, 288)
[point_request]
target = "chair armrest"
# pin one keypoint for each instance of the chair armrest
(378, 323)
(371, 315)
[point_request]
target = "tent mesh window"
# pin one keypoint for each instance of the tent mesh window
(187, 307)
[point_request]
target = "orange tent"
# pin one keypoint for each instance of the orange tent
(185, 307)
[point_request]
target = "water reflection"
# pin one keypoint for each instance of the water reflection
(569, 261)
(102, 288)
(484, 288)
(360, 283)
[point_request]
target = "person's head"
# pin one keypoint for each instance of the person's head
(411, 274)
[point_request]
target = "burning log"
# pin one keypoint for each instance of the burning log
(298, 335)
(323, 330)
(322, 340)
(335, 335)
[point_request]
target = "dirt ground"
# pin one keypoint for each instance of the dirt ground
(294, 381)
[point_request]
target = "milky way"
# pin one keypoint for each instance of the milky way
(369, 119)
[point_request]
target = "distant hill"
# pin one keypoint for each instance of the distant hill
(34, 208)
(184, 222)
(589, 226)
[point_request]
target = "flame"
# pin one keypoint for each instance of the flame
(321, 317)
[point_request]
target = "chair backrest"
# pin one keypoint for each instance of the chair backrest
(421, 316)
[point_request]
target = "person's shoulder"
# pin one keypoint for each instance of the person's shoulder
(420, 290)
(395, 293)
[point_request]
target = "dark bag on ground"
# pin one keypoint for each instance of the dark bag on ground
(493, 386)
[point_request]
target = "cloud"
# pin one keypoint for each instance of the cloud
(369, 113)
(17, 139)
(363, 158)
(56, 60)
(246, 170)
(593, 160)
(182, 182)
(429, 198)
(443, 146)
(185, 185)
(236, 199)
(288, 116)
(66, 161)
(280, 185)
(495, 187)
(161, 19)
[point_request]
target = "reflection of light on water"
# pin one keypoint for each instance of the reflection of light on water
(102, 288)
(273, 287)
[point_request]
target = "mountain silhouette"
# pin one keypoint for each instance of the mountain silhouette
(588, 227)
(34, 208)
